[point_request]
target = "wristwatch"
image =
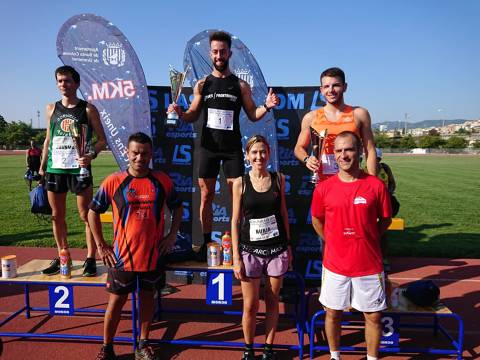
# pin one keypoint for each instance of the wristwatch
(306, 159)
(266, 107)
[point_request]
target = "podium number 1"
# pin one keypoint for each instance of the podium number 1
(219, 288)
(220, 280)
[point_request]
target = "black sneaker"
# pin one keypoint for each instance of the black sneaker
(53, 268)
(248, 355)
(201, 255)
(106, 354)
(90, 267)
(268, 355)
(145, 353)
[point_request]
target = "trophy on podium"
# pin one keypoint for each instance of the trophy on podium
(177, 78)
(316, 139)
(79, 136)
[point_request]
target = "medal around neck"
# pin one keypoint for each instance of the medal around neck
(177, 78)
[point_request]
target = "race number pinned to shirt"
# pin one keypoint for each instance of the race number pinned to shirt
(61, 299)
(219, 288)
(220, 119)
(329, 165)
(263, 229)
(64, 155)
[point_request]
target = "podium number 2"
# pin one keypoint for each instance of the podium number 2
(60, 302)
(220, 280)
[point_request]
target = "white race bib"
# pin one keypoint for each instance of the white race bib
(329, 165)
(64, 155)
(220, 119)
(263, 229)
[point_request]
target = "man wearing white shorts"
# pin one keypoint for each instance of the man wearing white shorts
(350, 211)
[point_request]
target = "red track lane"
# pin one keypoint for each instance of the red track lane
(458, 279)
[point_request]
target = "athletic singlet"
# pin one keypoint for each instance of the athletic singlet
(262, 230)
(137, 206)
(328, 166)
(61, 150)
(222, 102)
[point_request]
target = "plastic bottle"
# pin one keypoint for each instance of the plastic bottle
(227, 249)
(65, 264)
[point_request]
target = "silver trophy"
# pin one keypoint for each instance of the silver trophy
(177, 78)
(317, 138)
(79, 136)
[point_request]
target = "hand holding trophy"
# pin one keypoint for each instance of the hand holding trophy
(79, 136)
(316, 139)
(177, 79)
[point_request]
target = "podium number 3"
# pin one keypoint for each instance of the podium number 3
(388, 329)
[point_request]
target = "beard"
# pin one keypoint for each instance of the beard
(221, 68)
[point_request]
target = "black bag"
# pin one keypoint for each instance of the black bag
(39, 201)
(422, 293)
(395, 205)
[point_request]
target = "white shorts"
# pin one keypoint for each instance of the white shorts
(363, 293)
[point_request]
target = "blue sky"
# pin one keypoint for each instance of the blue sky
(400, 57)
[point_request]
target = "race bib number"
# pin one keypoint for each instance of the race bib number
(220, 119)
(329, 165)
(64, 155)
(263, 229)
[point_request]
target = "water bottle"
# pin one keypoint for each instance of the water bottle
(227, 249)
(65, 264)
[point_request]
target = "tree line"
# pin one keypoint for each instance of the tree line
(430, 141)
(17, 135)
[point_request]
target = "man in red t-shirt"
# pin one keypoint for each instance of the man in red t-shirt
(138, 197)
(350, 211)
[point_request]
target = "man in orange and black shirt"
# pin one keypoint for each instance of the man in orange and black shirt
(335, 117)
(138, 197)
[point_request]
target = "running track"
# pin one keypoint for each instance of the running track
(458, 279)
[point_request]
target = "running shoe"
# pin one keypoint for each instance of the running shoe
(53, 268)
(145, 353)
(89, 267)
(268, 355)
(106, 354)
(248, 355)
(201, 255)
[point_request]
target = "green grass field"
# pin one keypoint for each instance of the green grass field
(439, 198)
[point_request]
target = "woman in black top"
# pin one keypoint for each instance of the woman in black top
(260, 241)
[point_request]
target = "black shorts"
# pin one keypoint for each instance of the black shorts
(122, 282)
(62, 183)
(232, 164)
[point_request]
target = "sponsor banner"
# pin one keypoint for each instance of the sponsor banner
(176, 152)
(174, 155)
(111, 77)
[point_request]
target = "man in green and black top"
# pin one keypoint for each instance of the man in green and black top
(61, 165)
(221, 95)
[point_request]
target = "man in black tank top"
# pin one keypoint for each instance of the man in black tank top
(221, 96)
(60, 167)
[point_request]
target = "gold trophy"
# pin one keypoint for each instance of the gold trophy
(79, 136)
(316, 139)
(177, 78)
